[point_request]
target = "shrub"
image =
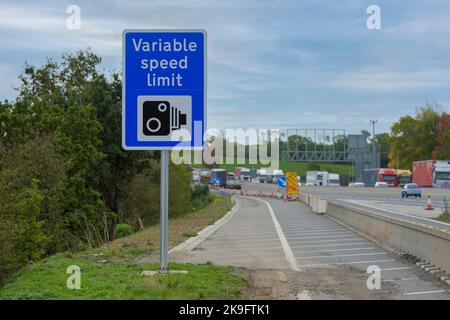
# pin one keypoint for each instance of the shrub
(199, 190)
(200, 196)
(123, 230)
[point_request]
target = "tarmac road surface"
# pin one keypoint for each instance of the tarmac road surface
(382, 201)
(317, 257)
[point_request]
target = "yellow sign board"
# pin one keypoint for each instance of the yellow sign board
(291, 183)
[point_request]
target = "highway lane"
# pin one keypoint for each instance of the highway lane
(317, 257)
(380, 201)
(319, 242)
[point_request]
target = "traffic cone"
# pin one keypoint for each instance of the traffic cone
(429, 205)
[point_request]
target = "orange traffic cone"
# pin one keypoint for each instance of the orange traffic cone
(429, 205)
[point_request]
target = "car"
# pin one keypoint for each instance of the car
(232, 183)
(356, 185)
(411, 190)
(380, 185)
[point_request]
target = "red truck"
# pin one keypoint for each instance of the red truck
(372, 176)
(432, 173)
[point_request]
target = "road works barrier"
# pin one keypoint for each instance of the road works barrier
(426, 242)
(317, 204)
(252, 193)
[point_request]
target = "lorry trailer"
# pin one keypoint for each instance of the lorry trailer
(432, 173)
(374, 175)
(218, 177)
(316, 178)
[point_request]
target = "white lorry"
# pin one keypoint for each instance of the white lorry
(322, 178)
(333, 180)
(316, 178)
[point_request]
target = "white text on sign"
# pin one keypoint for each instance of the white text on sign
(153, 65)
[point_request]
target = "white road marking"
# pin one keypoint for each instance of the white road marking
(398, 268)
(334, 250)
(311, 230)
(337, 236)
(342, 263)
(329, 245)
(315, 233)
(305, 225)
(402, 279)
(422, 292)
(284, 243)
(344, 255)
(334, 240)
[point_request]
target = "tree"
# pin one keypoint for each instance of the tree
(64, 130)
(382, 140)
(442, 149)
(419, 138)
(32, 240)
(366, 133)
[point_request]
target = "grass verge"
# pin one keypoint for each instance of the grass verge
(444, 217)
(110, 281)
(180, 229)
(113, 271)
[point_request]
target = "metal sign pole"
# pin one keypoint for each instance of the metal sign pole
(164, 211)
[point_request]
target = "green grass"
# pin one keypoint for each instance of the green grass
(444, 217)
(299, 167)
(189, 234)
(114, 272)
(110, 280)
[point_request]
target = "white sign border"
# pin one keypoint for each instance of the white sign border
(145, 148)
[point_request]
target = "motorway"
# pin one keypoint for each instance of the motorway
(296, 254)
(381, 201)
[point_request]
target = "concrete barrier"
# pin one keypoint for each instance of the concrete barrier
(425, 242)
(317, 204)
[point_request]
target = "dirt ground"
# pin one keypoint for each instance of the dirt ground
(337, 283)
(330, 283)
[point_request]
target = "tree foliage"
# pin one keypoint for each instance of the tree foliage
(65, 180)
(421, 137)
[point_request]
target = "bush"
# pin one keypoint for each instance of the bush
(199, 190)
(123, 230)
(312, 166)
(200, 196)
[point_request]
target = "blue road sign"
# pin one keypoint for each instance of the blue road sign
(282, 182)
(164, 89)
(216, 180)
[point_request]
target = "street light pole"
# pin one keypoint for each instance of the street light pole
(374, 160)
(373, 127)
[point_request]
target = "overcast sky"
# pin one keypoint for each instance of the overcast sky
(271, 63)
